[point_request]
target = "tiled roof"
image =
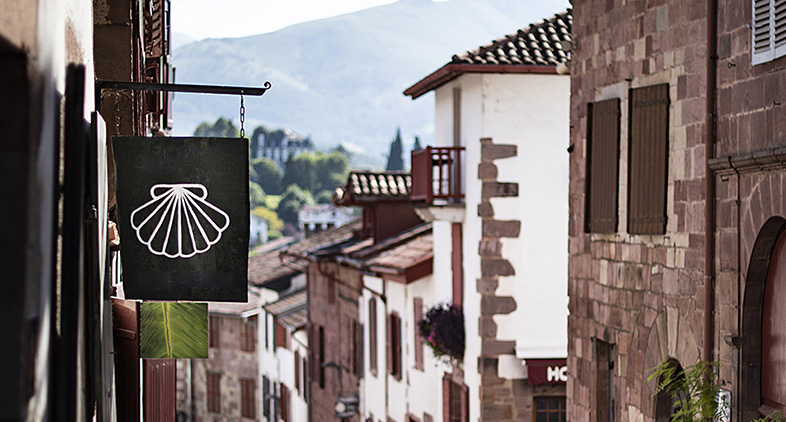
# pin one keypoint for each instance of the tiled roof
(268, 267)
(366, 186)
(536, 48)
(292, 311)
(265, 268)
(537, 44)
(406, 255)
(288, 303)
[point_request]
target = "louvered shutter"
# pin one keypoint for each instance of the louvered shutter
(647, 159)
(602, 167)
(397, 370)
(389, 343)
(768, 30)
(372, 336)
(417, 343)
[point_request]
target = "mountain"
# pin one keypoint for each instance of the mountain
(341, 79)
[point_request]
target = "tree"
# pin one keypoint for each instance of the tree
(324, 197)
(267, 174)
(417, 146)
(256, 195)
(331, 171)
(395, 157)
(222, 128)
(300, 171)
(293, 199)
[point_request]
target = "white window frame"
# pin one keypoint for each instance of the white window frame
(772, 39)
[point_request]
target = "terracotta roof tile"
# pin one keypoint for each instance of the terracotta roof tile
(405, 255)
(536, 48)
(537, 44)
(366, 185)
(287, 303)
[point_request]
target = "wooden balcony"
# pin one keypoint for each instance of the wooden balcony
(436, 176)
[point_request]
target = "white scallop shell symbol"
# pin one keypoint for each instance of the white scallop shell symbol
(178, 222)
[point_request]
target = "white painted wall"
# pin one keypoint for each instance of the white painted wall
(373, 387)
(418, 392)
(532, 112)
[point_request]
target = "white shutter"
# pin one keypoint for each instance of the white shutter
(761, 32)
(768, 34)
(779, 25)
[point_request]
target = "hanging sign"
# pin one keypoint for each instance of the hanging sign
(184, 216)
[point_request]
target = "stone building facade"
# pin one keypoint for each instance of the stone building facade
(225, 386)
(668, 110)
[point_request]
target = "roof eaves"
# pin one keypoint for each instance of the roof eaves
(452, 71)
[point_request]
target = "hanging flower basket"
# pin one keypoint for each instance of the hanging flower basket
(443, 329)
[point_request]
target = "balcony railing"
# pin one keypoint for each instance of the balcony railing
(436, 175)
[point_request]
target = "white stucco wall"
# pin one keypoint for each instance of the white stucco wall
(373, 387)
(530, 111)
(425, 387)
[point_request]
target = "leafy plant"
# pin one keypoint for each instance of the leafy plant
(694, 390)
(173, 330)
(443, 329)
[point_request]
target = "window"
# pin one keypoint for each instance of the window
(372, 336)
(768, 30)
(455, 400)
(214, 392)
(457, 265)
(248, 388)
(604, 382)
(602, 167)
(394, 345)
(357, 348)
(321, 356)
(248, 335)
(417, 343)
(647, 159)
(284, 402)
(549, 409)
(282, 335)
(266, 393)
(297, 371)
(215, 331)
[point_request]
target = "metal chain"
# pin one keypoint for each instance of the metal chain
(117, 113)
(242, 117)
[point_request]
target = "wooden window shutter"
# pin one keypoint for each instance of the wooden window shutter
(457, 264)
(417, 341)
(602, 167)
(281, 334)
(357, 331)
(284, 402)
(464, 400)
(321, 369)
(266, 398)
(446, 383)
(297, 370)
(215, 331)
(311, 348)
(389, 343)
(372, 335)
(159, 394)
(397, 370)
(648, 159)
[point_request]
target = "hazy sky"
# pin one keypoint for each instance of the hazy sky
(237, 18)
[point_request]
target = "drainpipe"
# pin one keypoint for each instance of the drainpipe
(709, 182)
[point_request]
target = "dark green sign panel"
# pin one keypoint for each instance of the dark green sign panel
(183, 216)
